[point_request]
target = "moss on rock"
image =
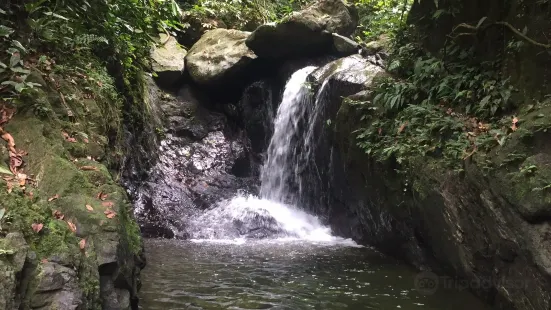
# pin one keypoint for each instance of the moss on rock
(63, 186)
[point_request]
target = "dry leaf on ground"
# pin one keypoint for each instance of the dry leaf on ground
(72, 226)
(54, 197)
(58, 215)
(110, 213)
(402, 127)
(37, 227)
(514, 126)
(107, 204)
(101, 196)
(82, 244)
(89, 208)
(89, 168)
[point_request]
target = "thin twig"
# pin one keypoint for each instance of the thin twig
(505, 24)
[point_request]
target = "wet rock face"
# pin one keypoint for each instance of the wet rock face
(256, 112)
(201, 161)
(490, 230)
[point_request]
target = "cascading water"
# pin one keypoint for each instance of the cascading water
(274, 214)
(279, 171)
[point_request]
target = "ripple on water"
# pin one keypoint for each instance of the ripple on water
(282, 275)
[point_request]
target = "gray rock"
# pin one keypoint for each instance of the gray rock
(13, 252)
(57, 288)
(306, 32)
(344, 46)
(329, 15)
(52, 278)
(353, 70)
(220, 55)
(167, 61)
(17, 242)
(201, 160)
(106, 244)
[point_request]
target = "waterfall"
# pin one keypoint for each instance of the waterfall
(275, 214)
(280, 169)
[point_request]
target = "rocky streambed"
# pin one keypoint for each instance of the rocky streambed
(473, 226)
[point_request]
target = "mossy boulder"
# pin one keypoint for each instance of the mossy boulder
(75, 219)
(167, 61)
(219, 56)
(306, 32)
(13, 253)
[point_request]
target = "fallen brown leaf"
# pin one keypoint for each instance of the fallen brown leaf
(110, 214)
(9, 139)
(22, 179)
(72, 226)
(82, 244)
(514, 126)
(16, 161)
(58, 215)
(402, 127)
(5, 114)
(54, 197)
(107, 204)
(89, 208)
(68, 137)
(37, 227)
(89, 168)
(101, 196)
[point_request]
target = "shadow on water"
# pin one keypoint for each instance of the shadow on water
(276, 274)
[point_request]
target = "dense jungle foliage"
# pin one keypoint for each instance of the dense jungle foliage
(446, 104)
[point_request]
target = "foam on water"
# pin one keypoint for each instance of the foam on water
(249, 216)
(273, 217)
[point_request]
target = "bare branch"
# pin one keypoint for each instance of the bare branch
(501, 23)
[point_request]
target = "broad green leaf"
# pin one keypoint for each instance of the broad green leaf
(20, 70)
(485, 101)
(2, 11)
(5, 170)
(18, 45)
(3, 65)
(19, 87)
(34, 6)
(14, 60)
(5, 31)
(56, 15)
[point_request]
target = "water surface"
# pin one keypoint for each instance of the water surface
(278, 274)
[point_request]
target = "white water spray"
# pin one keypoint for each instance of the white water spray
(273, 215)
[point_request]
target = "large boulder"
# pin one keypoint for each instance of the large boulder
(219, 55)
(198, 25)
(167, 61)
(306, 32)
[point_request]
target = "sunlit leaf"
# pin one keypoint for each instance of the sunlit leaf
(56, 15)
(5, 31)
